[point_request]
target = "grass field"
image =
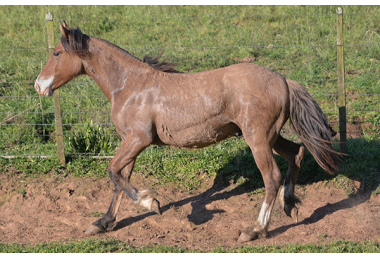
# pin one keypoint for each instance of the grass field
(114, 246)
(296, 41)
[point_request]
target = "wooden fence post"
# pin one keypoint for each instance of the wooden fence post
(341, 86)
(57, 104)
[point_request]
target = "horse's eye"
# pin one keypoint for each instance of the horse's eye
(56, 54)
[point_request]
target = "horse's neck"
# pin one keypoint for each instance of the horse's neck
(111, 67)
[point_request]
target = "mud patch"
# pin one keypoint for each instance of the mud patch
(51, 208)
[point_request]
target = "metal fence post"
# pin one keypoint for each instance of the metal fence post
(57, 104)
(341, 86)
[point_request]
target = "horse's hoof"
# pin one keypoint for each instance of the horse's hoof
(93, 230)
(247, 236)
(155, 207)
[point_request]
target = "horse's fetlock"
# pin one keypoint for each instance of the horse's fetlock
(247, 235)
(102, 225)
(250, 234)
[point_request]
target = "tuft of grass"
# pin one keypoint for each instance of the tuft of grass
(22, 192)
(94, 214)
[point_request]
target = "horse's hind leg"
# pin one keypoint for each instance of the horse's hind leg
(294, 154)
(120, 170)
(262, 152)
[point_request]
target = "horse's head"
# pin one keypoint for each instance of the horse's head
(63, 64)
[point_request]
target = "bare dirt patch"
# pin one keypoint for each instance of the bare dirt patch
(52, 208)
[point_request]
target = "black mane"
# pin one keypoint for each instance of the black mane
(160, 65)
(78, 44)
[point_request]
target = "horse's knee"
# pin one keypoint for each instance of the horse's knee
(114, 174)
(111, 171)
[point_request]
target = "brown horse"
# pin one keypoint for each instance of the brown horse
(153, 105)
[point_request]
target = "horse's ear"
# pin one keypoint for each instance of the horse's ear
(65, 29)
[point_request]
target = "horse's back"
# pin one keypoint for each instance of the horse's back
(254, 78)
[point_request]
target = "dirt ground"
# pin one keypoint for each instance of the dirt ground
(52, 208)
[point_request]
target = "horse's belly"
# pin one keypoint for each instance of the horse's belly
(197, 136)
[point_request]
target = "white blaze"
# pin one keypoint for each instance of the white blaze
(44, 86)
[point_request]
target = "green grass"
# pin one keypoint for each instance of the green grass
(197, 39)
(227, 162)
(115, 246)
(86, 246)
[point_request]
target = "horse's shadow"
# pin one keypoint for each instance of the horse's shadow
(200, 214)
(322, 212)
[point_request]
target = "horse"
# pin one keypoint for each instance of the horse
(153, 103)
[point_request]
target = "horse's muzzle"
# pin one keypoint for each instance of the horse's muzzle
(44, 90)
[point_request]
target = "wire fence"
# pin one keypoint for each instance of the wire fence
(27, 121)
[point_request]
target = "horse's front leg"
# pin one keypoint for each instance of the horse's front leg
(108, 222)
(120, 170)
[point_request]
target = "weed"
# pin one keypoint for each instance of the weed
(94, 214)
(92, 139)
(22, 192)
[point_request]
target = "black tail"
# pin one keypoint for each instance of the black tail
(310, 124)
